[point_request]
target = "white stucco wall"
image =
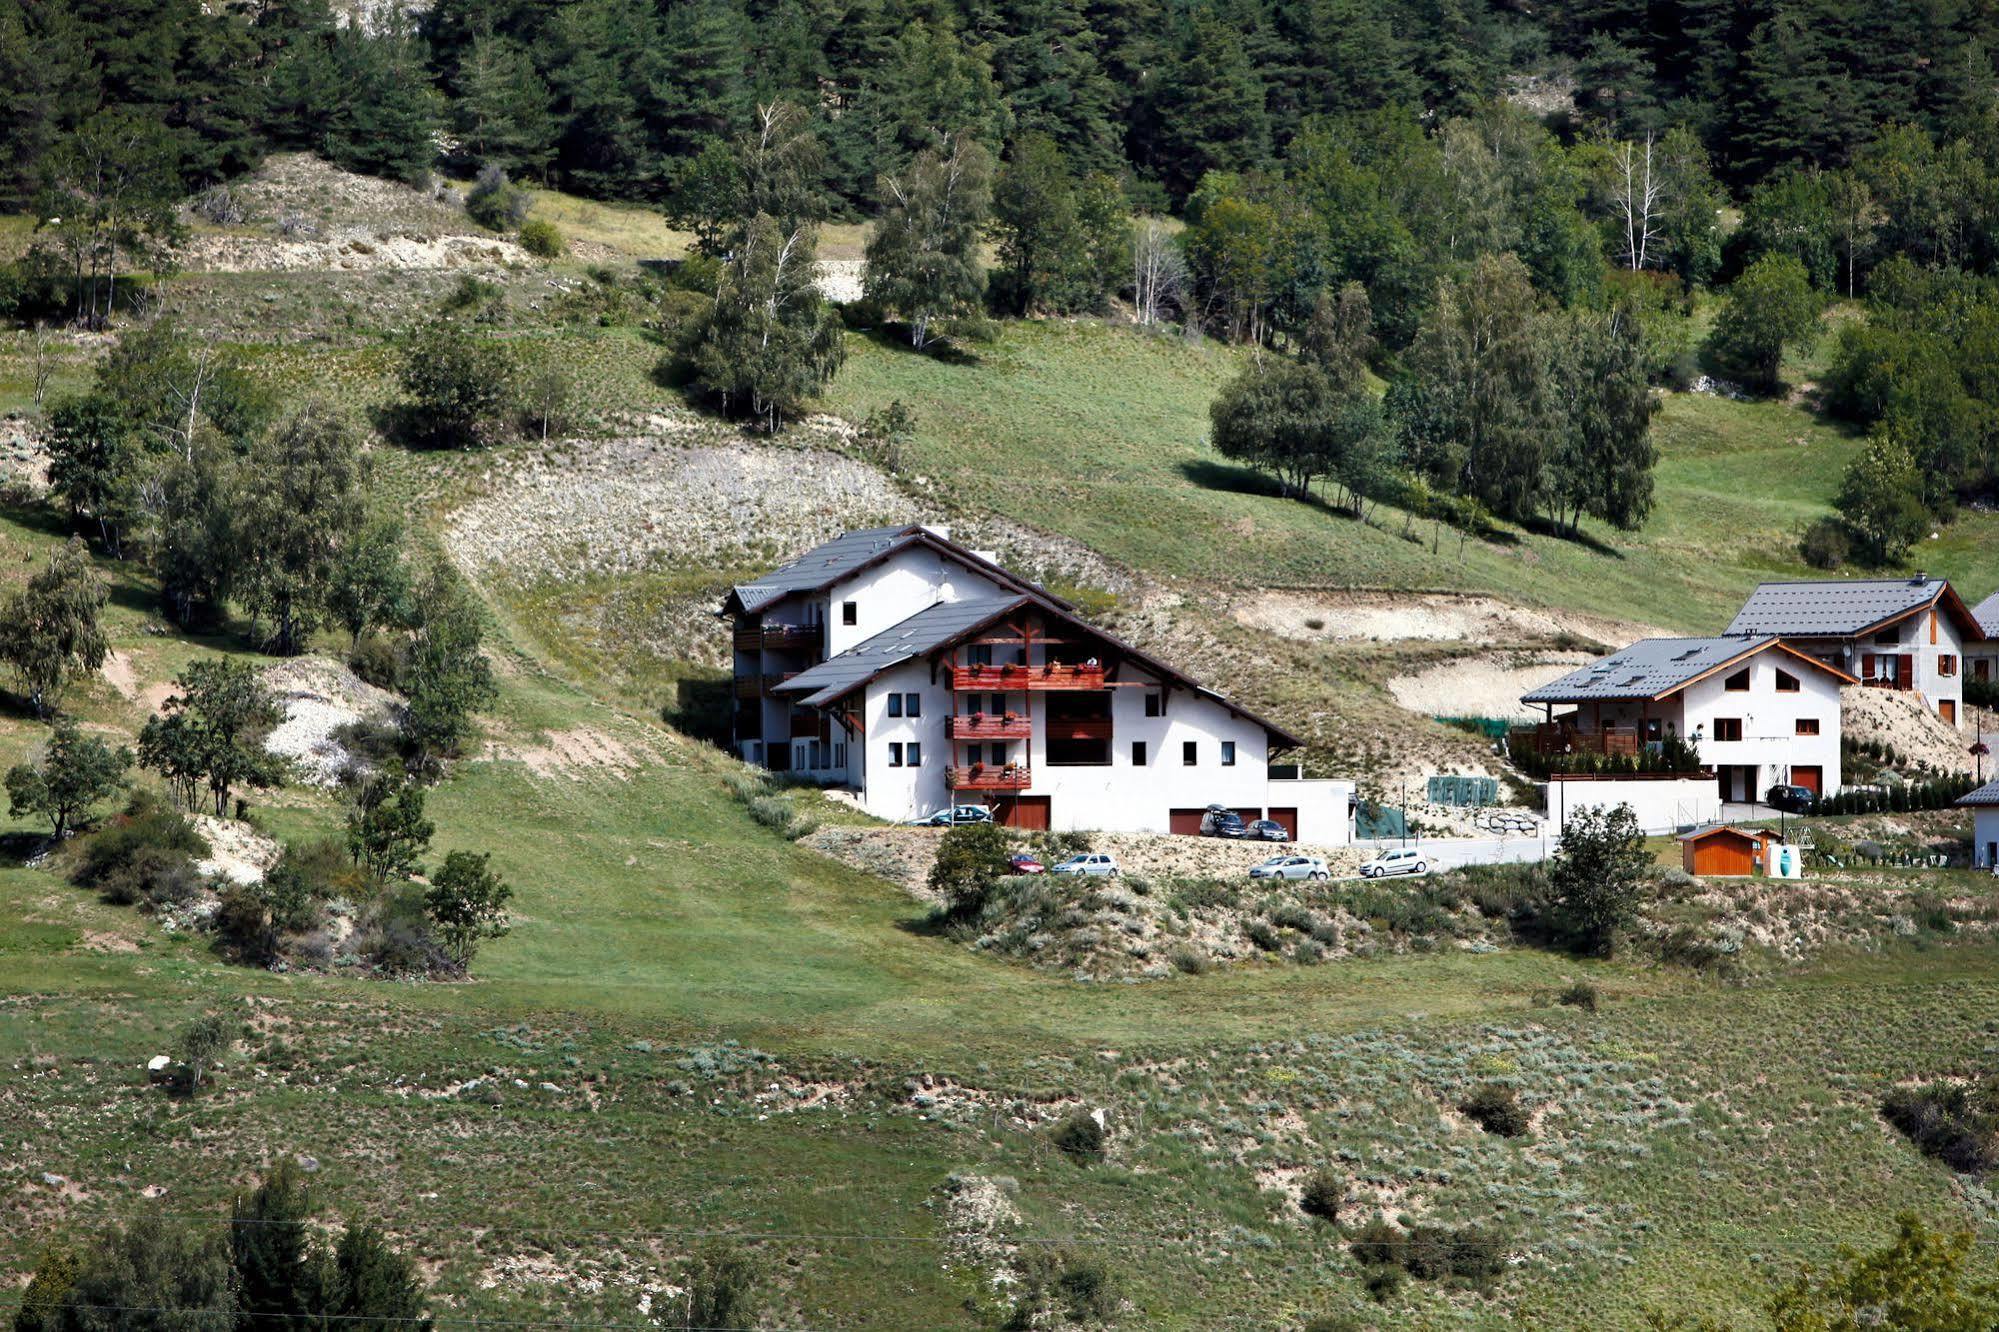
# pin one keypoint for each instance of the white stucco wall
(1769, 719)
(897, 588)
(1660, 806)
(1910, 637)
(1984, 836)
(1118, 796)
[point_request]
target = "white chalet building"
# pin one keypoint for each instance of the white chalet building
(1907, 634)
(1760, 712)
(916, 673)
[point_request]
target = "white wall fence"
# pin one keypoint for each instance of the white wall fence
(1663, 804)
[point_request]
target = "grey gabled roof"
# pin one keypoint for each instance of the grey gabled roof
(1987, 794)
(925, 631)
(823, 564)
(1709, 829)
(1832, 608)
(1647, 669)
(1986, 613)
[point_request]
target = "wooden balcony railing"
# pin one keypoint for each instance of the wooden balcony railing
(987, 726)
(1544, 739)
(1078, 728)
(755, 686)
(981, 778)
(779, 637)
(1000, 679)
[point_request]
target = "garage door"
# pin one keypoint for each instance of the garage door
(1250, 815)
(1029, 812)
(1811, 778)
(1288, 818)
(1185, 822)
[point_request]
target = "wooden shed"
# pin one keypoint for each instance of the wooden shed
(1723, 849)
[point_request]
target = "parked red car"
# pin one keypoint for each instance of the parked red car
(1020, 862)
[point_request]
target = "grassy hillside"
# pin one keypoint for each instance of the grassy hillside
(1100, 434)
(697, 1029)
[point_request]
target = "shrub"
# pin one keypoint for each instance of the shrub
(458, 388)
(1825, 544)
(1597, 877)
(1323, 1196)
(1190, 960)
(1496, 1108)
(1955, 1123)
(542, 239)
(971, 860)
(1264, 935)
(1059, 1285)
(1080, 1137)
(1472, 1255)
(1581, 995)
(495, 202)
(146, 854)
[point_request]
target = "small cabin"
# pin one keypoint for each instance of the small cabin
(1723, 849)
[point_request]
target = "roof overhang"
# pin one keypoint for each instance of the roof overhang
(1755, 648)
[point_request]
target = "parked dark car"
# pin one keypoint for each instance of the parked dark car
(1268, 830)
(1224, 823)
(1791, 799)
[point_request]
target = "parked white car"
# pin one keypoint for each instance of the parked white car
(1402, 860)
(1087, 862)
(1290, 867)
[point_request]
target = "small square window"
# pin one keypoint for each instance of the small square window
(1152, 705)
(1190, 752)
(850, 612)
(1138, 753)
(1808, 726)
(912, 705)
(1228, 753)
(1946, 663)
(914, 752)
(1728, 728)
(895, 705)
(895, 754)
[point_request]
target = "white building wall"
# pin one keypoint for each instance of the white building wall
(1660, 805)
(1769, 719)
(907, 582)
(1984, 837)
(1125, 798)
(1119, 796)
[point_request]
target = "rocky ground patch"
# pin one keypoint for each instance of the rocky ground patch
(320, 696)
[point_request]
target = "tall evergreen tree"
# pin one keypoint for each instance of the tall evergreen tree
(503, 112)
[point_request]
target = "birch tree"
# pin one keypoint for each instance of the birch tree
(1158, 272)
(772, 341)
(922, 262)
(1636, 190)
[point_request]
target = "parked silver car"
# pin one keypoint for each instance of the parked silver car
(1087, 862)
(1403, 860)
(1291, 867)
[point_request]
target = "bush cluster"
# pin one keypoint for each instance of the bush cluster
(542, 239)
(1323, 1195)
(1898, 797)
(1957, 1123)
(1080, 1137)
(768, 808)
(144, 856)
(1468, 1255)
(1496, 1108)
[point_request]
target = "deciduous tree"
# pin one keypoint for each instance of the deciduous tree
(49, 632)
(73, 773)
(467, 903)
(922, 261)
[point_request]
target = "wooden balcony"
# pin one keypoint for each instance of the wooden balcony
(1558, 739)
(979, 777)
(756, 686)
(988, 726)
(1002, 679)
(1078, 728)
(779, 637)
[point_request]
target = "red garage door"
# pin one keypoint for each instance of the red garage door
(1028, 812)
(1811, 778)
(1184, 822)
(1287, 818)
